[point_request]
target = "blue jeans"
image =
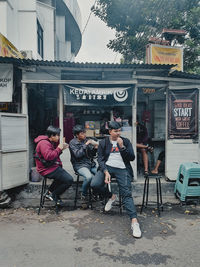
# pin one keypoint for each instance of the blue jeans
(124, 182)
(87, 177)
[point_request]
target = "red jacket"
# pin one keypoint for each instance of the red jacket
(45, 149)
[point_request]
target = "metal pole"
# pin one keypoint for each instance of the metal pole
(61, 112)
(24, 99)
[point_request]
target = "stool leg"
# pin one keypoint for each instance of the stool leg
(44, 190)
(158, 203)
(160, 189)
(144, 193)
(41, 196)
(57, 208)
(147, 195)
(76, 192)
(120, 204)
(90, 198)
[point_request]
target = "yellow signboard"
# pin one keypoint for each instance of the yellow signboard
(167, 55)
(7, 49)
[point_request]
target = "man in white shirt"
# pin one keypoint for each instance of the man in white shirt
(114, 156)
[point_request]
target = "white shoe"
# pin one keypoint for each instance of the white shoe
(109, 204)
(136, 230)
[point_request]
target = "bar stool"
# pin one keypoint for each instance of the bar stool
(158, 192)
(78, 182)
(114, 180)
(43, 194)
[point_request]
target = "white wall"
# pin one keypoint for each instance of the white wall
(3, 16)
(45, 16)
(64, 47)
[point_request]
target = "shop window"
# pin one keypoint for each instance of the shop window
(40, 39)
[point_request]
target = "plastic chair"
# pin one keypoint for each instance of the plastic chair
(188, 181)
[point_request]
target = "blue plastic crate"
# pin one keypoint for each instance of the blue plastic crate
(188, 181)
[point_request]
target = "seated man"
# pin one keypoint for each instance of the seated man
(49, 165)
(81, 161)
(114, 156)
(142, 144)
(161, 157)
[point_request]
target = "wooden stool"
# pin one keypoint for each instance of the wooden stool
(158, 191)
(78, 182)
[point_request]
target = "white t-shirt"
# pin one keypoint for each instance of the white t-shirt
(115, 159)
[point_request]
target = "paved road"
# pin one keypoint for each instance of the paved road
(90, 238)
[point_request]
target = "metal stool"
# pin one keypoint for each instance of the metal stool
(158, 191)
(78, 182)
(114, 180)
(42, 196)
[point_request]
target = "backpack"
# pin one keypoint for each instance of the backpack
(46, 163)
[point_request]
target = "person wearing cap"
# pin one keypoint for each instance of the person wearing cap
(81, 161)
(114, 156)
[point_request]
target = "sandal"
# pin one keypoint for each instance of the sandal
(146, 173)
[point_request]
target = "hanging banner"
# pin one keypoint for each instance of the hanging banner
(6, 82)
(98, 96)
(183, 114)
(7, 49)
(160, 54)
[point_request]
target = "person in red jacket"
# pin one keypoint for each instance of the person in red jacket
(49, 165)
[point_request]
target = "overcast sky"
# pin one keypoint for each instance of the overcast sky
(95, 38)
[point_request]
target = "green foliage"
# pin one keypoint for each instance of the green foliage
(136, 20)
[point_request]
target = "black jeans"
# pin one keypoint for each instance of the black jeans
(124, 182)
(62, 181)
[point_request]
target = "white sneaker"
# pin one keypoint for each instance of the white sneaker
(136, 230)
(109, 204)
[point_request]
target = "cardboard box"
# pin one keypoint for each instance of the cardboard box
(97, 124)
(89, 133)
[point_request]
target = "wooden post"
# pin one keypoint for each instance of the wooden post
(24, 99)
(61, 112)
(134, 133)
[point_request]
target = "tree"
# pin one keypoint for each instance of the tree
(136, 20)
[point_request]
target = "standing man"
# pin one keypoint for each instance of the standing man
(82, 163)
(142, 145)
(49, 165)
(114, 156)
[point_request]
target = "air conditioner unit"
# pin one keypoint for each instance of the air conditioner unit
(27, 54)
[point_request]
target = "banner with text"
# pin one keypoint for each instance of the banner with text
(183, 114)
(98, 96)
(167, 55)
(6, 82)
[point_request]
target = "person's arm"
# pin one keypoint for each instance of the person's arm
(78, 151)
(147, 147)
(141, 146)
(48, 151)
(102, 163)
(127, 151)
(101, 157)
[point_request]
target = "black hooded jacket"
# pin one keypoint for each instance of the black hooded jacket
(127, 153)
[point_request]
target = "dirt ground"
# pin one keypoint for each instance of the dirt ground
(90, 237)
